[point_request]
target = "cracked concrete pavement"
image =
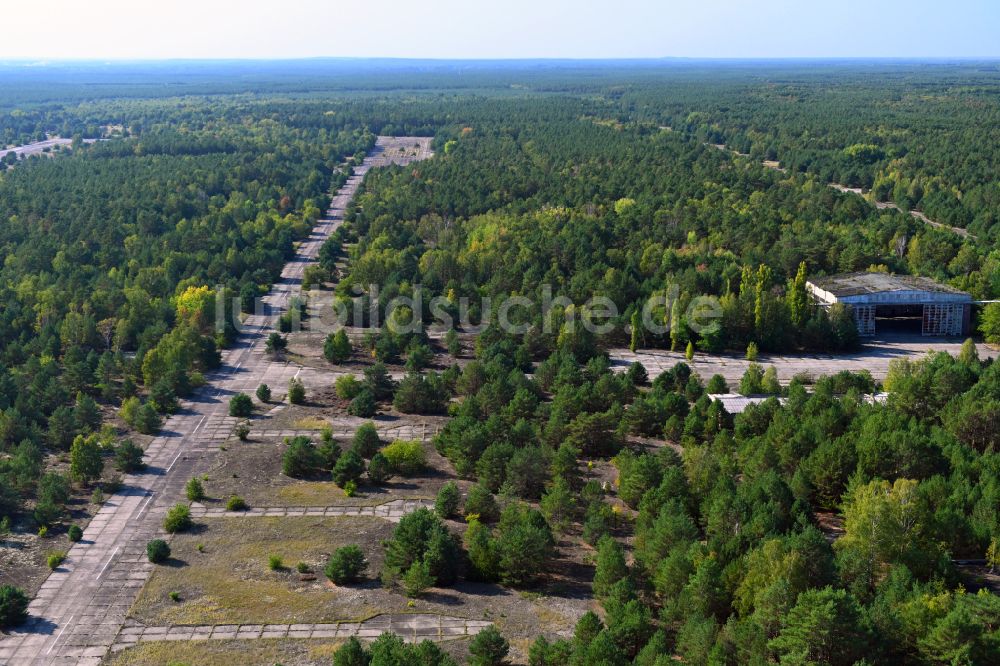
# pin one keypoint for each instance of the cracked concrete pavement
(392, 511)
(411, 627)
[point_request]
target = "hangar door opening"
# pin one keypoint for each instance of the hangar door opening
(905, 318)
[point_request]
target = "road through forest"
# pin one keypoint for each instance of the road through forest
(80, 609)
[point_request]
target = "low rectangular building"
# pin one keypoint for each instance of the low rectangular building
(940, 309)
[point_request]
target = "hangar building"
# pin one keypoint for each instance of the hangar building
(933, 308)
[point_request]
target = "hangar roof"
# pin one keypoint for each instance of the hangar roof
(849, 285)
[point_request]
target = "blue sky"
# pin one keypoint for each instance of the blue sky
(498, 28)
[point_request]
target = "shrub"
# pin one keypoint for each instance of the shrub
(452, 342)
(275, 563)
(194, 490)
(55, 559)
(611, 567)
(418, 356)
(157, 551)
(448, 501)
(97, 497)
(264, 393)
(350, 489)
(178, 519)
(243, 431)
(769, 382)
(526, 472)
(349, 467)
(637, 374)
(302, 568)
(378, 381)
(363, 405)
(417, 579)
(405, 457)
(421, 537)
(524, 544)
(346, 565)
(236, 503)
(418, 394)
(481, 502)
(366, 441)
(296, 391)
(240, 405)
(47, 511)
(347, 387)
(337, 347)
(13, 606)
(276, 344)
(148, 421)
(328, 452)
(351, 653)
(559, 505)
(128, 457)
(75, 533)
(85, 462)
(175, 596)
(752, 381)
(379, 470)
(488, 648)
(301, 459)
(491, 468)
(717, 384)
(163, 397)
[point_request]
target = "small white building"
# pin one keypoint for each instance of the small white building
(734, 403)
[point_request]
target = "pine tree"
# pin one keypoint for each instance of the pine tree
(636, 331)
(611, 566)
(798, 298)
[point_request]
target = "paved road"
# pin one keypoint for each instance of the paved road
(82, 606)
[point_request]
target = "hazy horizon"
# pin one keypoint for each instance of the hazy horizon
(114, 30)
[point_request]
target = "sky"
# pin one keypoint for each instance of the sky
(141, 29)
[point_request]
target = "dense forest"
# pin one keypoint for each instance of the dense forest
(593, 180)
(111, 259)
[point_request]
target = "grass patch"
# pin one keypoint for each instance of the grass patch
(321, 493)
(230, 582)
(259, 652)
(310, 423)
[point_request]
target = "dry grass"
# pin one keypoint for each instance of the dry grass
(260, 652)
(230, 582)
(311, 423)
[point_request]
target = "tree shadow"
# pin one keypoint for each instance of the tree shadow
(35, 625)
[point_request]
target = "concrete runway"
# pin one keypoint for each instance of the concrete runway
(81, 608)
(39, 146)
(874, 356)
